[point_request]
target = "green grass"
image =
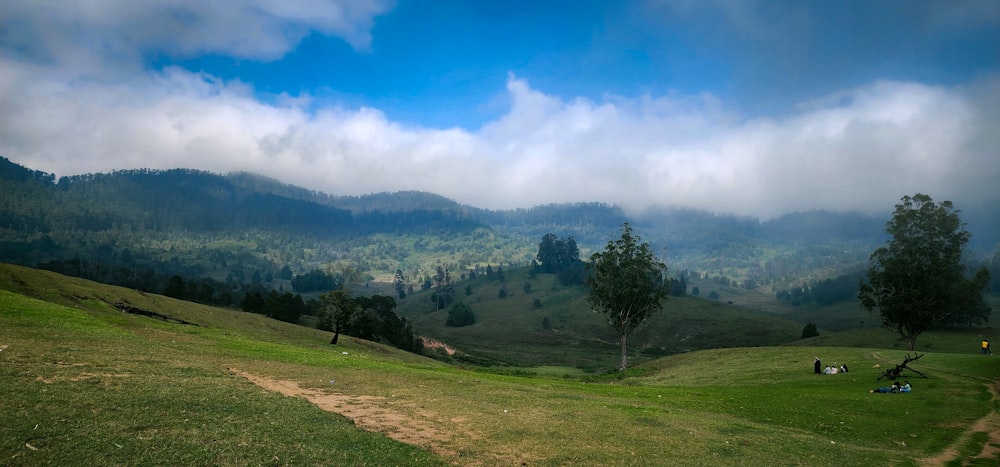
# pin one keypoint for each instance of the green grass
(510, 331)
(82, 383)
(78, 390)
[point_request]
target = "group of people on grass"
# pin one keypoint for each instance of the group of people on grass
(829, 370)
(896, 387)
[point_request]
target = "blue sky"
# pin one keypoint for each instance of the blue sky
(748, 107)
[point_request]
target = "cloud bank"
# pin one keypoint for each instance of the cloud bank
(68, 110)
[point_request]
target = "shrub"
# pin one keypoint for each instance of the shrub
(460, 315)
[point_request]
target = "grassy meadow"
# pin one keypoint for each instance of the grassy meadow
(82, 383)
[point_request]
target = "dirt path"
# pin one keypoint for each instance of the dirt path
(413, 425)
(989, 424)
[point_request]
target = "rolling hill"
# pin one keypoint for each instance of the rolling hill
(141, 226)
(84, 382)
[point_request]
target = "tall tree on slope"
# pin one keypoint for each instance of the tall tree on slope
(917, 280)
(626, 285)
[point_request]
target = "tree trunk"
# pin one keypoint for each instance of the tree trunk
(624, 351)
(336, 336)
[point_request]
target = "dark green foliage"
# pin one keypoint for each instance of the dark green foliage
(843, 288)
(537, 303)
(976, 313)
(713, 295)
(678, 287)
(917, 281)
(444, 289)
(809, 331)
(337, 309)
(381, 324)
(175, 287)
(548, 255)
(695, 291)
(994, 268)
(371, 318)
(526, 287)
(314, 281)
(284, 307)
(399, 284)
(560, 257)
(253, 303)
(460, 315)
(627, 285)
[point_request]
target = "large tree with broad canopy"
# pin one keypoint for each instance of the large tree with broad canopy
(918, 280)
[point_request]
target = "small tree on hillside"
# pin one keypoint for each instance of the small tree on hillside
(399, 284)
(444, 291)
(918, 281)
(626, 285)
(337, 308)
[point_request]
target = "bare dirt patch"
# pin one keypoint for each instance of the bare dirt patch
(437, 345)
(413, 426)
(989, 424)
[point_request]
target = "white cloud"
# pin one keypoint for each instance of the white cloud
(861, 149)
(76, 103)
(89, 36)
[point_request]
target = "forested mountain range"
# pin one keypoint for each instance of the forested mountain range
(244, 227)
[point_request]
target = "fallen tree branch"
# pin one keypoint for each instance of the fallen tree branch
(897, 372)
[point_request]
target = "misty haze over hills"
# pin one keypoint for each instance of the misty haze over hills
(224, 239)
(198, 202)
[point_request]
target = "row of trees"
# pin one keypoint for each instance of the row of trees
(559, 257)
(371, 318)
(825, 292)
(914, 283)
(280, 306)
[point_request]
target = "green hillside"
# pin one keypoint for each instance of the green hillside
(137, 228)
(84, 383)
(552, 325)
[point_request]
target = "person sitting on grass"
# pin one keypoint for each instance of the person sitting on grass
(905, 387)
(887, 390)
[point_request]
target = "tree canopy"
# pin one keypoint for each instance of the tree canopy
(337, 308)
(918, 281)
(559, 257)
(626, 284)
(460, 315)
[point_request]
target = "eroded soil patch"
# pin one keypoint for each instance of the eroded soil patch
(413, 426)
(989, 424)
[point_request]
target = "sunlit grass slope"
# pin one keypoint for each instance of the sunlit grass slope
(84, 384)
